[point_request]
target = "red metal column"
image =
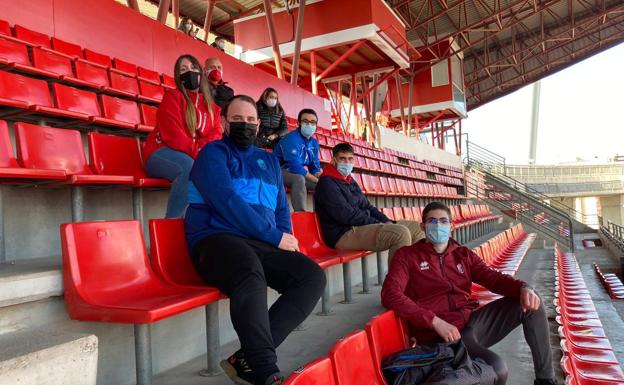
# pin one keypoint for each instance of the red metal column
(341, 58)
(134, 4)
(410, 101)
(276, 53)
(313, 72)
(378, 83)
(354, 102)
(163, 10)
(401, 106)
(175, 9)
(295, 66)
(208, 20)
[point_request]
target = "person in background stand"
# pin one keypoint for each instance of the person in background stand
(219, 43)
(186, 120)
(221, 92)
(272, 119)
(186, 26)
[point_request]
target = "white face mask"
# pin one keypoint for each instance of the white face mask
(271, 102)
(221, 44)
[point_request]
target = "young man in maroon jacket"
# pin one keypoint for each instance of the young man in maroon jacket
(428, 284)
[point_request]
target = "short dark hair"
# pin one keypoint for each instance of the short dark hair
(306, 111)
(436, 206)
(219, 38)
(244, 98)
(342, 147)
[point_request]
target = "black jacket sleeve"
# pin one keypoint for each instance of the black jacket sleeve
(365, 204)
(283, 125)
(337, 208)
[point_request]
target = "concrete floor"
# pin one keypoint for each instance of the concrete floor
(321, 332)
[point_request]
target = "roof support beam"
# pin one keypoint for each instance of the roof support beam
(133, 4)
(298, 35)
(163, 10)
(208, 19)
(268, 9)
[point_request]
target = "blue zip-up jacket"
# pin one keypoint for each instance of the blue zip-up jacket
(295, 151)
(237, 192)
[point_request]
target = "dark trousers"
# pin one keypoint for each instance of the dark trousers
(491, 323)
(242, 269)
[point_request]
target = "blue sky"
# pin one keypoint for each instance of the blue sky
(580, 115)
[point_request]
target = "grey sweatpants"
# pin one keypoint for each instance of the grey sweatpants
(494, 321)
(298, 189)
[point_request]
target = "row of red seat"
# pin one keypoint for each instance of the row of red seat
(24, 95)
(611, 283)
(391, 186)
(588, 357)
(56, 155)
(357, 357)
(463, 215)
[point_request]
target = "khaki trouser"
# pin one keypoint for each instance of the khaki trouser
(381, 236)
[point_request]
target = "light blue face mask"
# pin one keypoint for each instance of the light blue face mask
(308, 129)
(438, 233)
(344, 169)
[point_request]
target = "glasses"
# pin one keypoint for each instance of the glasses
(306, 121)
(443, 221)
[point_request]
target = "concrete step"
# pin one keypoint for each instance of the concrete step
(48, 356)
(30, 280)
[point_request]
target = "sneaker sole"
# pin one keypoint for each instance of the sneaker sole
(230, 371)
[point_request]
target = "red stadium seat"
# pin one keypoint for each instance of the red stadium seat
(22, 92)
(123, 85)
(317, 372)
(170, 258)
(5, 28)
(15, 55)
(385, 336)
(91, 75)
(397, 214)
(97, 58)
(168, 81)
(47, 148)
(305, 229)
(66, 48)
(10, 169)
(37, 39)
(124, 67)
(353, 360)
(116, 155)
(150, 92)
(118, 112)
(148, 117)
(148, 75)
(73, 102)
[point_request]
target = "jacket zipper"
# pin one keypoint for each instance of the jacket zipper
(445, 277)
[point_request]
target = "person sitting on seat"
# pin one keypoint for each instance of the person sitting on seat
(186, 120)
(219, 43)
(297, 151)
(428, 284)
(348, 220)
(272, 119)
(239, 233)
(186, 25)
(221, 92)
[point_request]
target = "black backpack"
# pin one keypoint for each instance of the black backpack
(437, 364)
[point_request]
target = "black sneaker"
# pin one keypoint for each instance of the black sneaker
(545, 382)
(237, 368)
(274, 379)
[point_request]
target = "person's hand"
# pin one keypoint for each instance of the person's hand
(288, 243)
(528, 299)
(445, 330)
(273, 137)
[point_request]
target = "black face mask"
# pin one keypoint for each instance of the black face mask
(243, 133)
(190, 80)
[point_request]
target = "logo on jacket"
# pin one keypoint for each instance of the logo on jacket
(293, 151)
(261, 164)
(424, 265)
(460, 268)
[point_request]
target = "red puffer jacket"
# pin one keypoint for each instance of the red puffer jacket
(422, 284)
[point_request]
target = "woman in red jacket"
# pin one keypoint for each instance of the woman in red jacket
(187, 119)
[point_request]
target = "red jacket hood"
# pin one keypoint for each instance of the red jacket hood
(422, 284)
(331, 171)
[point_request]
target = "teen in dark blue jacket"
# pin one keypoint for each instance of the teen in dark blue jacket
(297, 151)
(238, 229)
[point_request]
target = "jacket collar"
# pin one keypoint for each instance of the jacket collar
(430, 251)
(331, 171)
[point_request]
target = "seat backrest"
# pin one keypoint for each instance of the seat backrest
(168, 81)
(120, 109)
(151, 90)
(96, 57)
(149, 75)
(24, 89)
(387, 211)
(7, 158)
(35, 38)
(353, 360)
(41, 147)
(14, 52)
(170, 255)
(398, 213)
(91, 73)
(66, 48)
(408, 214)
(125, 66)
(5, 28)
(76, 100)
(104, 260)
(148, 114)
(124, 83)
(115, 155)
(385, 336)
(306, 229)
(317, 372)
(53, 62)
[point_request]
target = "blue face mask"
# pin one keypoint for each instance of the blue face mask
(438, 233)
(344, 169)
(308, 129)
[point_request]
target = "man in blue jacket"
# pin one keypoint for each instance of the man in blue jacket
(297, 151)
(238, 229)
(348, 220)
